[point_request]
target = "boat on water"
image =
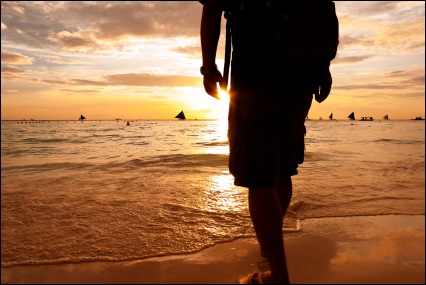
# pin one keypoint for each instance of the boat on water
(418, 119)
(181, 116)
(366, 119)
(352, 116)
(386, 117)
(82, 118)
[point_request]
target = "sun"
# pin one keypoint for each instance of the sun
(223, 105)
(224, 97)
(203, 106)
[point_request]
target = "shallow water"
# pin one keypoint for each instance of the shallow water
(101, 190)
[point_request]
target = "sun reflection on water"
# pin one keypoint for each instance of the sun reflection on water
(223, 195)
(215, 137)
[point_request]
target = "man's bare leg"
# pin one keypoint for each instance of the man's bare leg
(285, 192)
(267, 208)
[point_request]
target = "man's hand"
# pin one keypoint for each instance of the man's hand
(325, 82)
(210, 83)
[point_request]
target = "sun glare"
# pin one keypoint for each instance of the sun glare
(224, 97)
(202, 106)
(223, 105)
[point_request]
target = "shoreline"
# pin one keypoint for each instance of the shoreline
(364, 249)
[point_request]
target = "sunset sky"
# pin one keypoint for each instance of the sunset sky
(141, 60)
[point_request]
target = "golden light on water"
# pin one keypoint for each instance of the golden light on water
(223, 195)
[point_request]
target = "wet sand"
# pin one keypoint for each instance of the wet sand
(352, 250)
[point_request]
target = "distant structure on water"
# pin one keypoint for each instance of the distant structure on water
(82, 118)
(180, 116)
(352, 116)
(367, 119)
(386, 117)
(418, 119)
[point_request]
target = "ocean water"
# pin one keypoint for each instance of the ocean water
(105, 191)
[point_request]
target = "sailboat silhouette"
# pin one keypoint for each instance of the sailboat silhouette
(181, 116)
(352, 116)
(386, 117)
(331, 116)
(82, 118)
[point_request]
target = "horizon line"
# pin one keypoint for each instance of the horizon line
(195, 119)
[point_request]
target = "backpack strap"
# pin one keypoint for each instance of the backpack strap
(224, 83)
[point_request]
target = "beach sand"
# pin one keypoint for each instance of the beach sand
(352, 250)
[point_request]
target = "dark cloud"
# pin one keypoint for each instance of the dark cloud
(34, 22)
(74, 24)
(381, 11)
(133, 79)
(194, 51)
(14, 58)
(113, 20)
(369, 86)
(68, 61)
(395, 80)
(350, 59)
(142, 79)
(365, 8)
(82, 91)
(146, 79)
(72, 41)
(407, 75)
(360, 40)
(14, 73)
(10, 69)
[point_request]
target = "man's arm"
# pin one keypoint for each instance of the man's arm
(325, 82)
(209, 34)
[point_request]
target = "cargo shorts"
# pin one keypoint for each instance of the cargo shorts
(266, 131)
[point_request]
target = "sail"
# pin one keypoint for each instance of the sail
(82, 117)
(331, 116)
(352, 116)
(181, 116)
(386, 117)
